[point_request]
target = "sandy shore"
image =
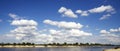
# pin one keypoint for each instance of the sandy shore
(112, 49)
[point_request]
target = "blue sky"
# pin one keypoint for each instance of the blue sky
(97, 17)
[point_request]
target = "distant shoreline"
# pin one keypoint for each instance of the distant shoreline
(27, 46)
(35, 46)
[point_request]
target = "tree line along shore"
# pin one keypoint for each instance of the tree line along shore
(65, 44)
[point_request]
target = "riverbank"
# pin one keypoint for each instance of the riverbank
(112, 49)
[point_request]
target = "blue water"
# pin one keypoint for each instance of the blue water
(58, 49)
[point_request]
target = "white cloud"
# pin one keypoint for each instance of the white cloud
(14, 16)
(47, 21)
(26, 29)
(64, 24)
(43, 38)
(62, 10)
(104, 32)
(105, 16)
(8, 38)
(68, 35)
(108, 9)
(110, 36)
(79, 11)
(67, 12)
(77, 32)
(23, 22)
(111, 32)
(71, 14)
(73, 34)
(102, 8)
(115, 30)
(82, 13)
(19, 36)
(111, 39)
(16, 36)
(52, 31)
(29, 32)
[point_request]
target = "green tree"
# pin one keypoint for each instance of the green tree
(76, 43)
(23, 43)
(32, 44)
(7, 44)
(14, 44)
(2, 44)
(58, 44)
(64, 43)
(54, 44)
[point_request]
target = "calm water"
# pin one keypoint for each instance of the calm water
(58, 49)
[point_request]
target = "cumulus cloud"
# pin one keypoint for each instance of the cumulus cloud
(82, 13)
(67, 12)
(23, 22)
(64, 24)
(77, 32)
(79, 11)
(115, 30)
(62, 9)
(108, 9)
(102, 8)
(71, 33)
(110, 32)
(105, 16)
(43, 38)
(68, 35)
(76, 35)
(29, 33)
(104, 32)
(26, 29)
(107, 33)
(111, 36)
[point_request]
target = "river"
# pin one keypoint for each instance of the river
(89, 48)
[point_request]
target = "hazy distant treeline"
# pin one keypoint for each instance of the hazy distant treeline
(57, 44)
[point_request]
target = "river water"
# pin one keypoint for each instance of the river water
(59, 48)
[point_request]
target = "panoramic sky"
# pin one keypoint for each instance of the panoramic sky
(48, 21)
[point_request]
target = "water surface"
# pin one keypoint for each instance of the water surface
(58, 49)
